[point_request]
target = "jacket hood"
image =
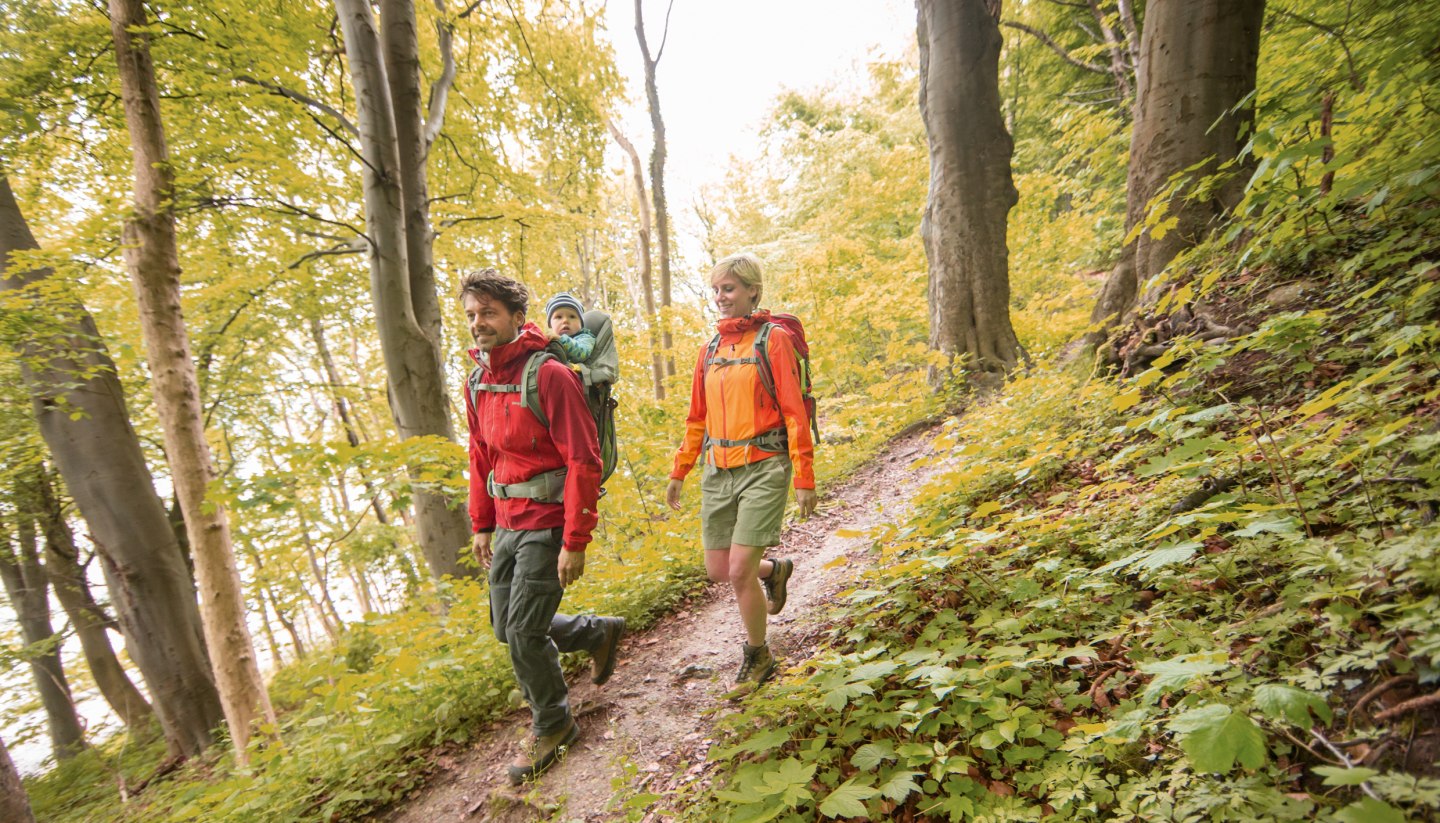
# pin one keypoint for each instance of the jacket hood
(740, 325)
(502, 357)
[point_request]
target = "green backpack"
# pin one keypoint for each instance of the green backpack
(597, 377)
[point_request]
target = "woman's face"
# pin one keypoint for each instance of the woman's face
(733, 298)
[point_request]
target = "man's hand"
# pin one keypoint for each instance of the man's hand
(672, 494)
(482, 549)
(570, 567)
(805, 500)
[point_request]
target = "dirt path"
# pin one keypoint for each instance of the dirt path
(654, 716)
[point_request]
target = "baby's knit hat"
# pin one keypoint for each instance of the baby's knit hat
(564, 300)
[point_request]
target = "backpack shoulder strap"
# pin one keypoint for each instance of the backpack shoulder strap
(530, 385)
(762, 352)
(711, 349)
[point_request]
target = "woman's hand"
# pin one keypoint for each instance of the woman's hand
(672, 494)
(806, 500)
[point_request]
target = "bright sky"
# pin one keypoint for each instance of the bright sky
(726, 61)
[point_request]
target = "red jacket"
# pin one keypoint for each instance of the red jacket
(506, 438)
(731, 403)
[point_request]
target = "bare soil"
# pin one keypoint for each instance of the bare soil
(649, 728)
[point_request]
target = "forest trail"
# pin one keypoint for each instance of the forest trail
(656, 713)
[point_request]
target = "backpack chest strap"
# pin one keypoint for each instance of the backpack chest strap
(509, 388)
(732, 361)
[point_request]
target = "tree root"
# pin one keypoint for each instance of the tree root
(1209, 487)
(1412, 705)
(1367, 697)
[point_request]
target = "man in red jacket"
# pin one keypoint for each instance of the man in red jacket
(533, 494)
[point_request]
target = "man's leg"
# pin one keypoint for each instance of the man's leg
(534, 597)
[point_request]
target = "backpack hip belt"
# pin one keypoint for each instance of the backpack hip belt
(545, 487)
(775, 440)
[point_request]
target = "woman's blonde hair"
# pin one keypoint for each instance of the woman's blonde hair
(745, 267)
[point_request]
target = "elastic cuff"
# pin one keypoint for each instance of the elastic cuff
(574, 548)
(485, 530)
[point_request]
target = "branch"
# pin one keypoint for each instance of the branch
(1055, 47)
(664, 32)
(440, 89)
(355, 246)
(302, 98)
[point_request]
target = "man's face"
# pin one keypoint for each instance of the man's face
(490, 322)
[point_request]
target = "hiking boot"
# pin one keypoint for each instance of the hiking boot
(775, 588)
(540, 753)
(756, 667)
(602, 660)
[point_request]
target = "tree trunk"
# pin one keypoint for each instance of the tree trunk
(80, 408)
(412, 361)
(14, 804)
(971, 191)
(642, 205)
(151, 257)
(25, 584)
(332, 377)
(1197, 62)
(63, 569)
(657, 182)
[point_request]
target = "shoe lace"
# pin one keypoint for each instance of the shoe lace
(748, 664)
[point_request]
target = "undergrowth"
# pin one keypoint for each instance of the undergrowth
(1210, 591)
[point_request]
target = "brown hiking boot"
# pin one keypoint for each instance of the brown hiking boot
(775, 584)
(540, 753)
(602, 660)
(757, 666)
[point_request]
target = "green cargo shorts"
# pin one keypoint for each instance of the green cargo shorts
(744, 505)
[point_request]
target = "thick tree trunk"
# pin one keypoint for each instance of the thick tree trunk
(151, 257)
(416, 380)
(657, 182)
(971, 190)
(1197, 62)
(400, 41)
(62, 567)
(80, 407)
(14, 804)
(642, 206)
(25, 584)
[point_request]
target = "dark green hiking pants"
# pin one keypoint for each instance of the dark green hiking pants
(524, 598)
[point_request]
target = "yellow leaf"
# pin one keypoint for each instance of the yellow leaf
(986, 509)
(1124, 401)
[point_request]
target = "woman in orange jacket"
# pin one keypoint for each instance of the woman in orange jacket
(752, 445)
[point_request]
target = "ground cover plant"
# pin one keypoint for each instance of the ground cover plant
(1203, 591)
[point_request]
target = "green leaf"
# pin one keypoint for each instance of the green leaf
(1281, 702)
(763, 742)
(1342, 776)
(871, 755)
(900, 786)
(1216, 737)
(1370, 810)
(847, 800)
(1177, 672)
(791, 781)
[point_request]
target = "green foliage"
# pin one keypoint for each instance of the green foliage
(1162, 597)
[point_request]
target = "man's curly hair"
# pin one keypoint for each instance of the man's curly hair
(511, 293)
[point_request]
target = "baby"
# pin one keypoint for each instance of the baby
(563, 313)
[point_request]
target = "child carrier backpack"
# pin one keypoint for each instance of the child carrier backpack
(792, 326)
(597, 377)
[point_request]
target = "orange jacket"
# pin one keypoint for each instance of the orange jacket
(731, 403)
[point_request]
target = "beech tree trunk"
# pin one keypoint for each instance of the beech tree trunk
(647, 288)
(657, 182)
(1197, 62)
(25, 584)
(153, 262)
(14, 803)
(971, 190)
(411, 350)
(80, 407)
(63, 569)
